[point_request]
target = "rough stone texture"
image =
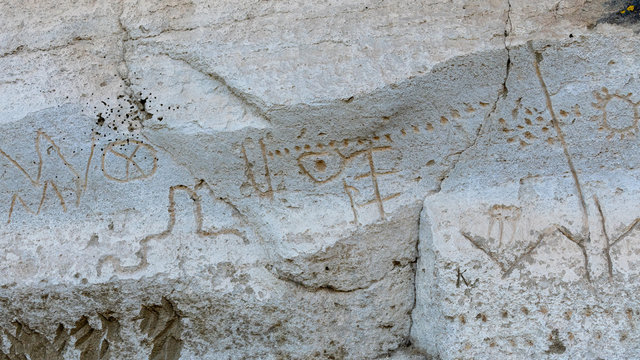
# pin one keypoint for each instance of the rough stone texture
(534, 250)
(332, 180)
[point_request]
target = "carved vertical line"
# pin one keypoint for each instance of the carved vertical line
(251, 176)
(586, 262)
(348, 190)
(560, 134)
(266, 167)
(86, 170)
(171, 209)
(607, 249)
(37, 143)
(197, 212)
(374, 180)
(580, 243)
(44, 193)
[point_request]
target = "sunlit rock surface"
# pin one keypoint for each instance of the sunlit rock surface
(347, 180)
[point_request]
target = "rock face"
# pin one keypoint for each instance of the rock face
(348, 180)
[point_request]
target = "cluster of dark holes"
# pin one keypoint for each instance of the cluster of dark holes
(120, 117)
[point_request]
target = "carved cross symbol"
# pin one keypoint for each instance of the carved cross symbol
(323, 167)
(133, 169)
(373, 174)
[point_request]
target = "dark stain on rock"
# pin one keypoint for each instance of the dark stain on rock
(556, 347)
(100, 120)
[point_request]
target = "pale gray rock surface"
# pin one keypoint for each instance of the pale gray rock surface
(331, 180)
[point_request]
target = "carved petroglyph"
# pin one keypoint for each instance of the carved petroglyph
(334, 161)
(373, 174)
(322, 167)
(506, 254)
(528, 126)
(611, 242)
(580, 240)
(326, 166)
(350, 190)
(131, 160)
(504, 214)
(163, 327)
(328, 161)
(26, 343)
(619, 114)
(417, 129)
(141, 254)
(21, 201)
(39, 182)
(537, 58)
(95, 344)
(462, 280)
(137, 160)
(262, 187)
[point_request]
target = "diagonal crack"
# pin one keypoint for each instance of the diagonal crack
(173, 157)
(247, 100)
(502, 93)
(415, 278)
(126, 36)
(23, 49)
(508, 29)
(459, 154)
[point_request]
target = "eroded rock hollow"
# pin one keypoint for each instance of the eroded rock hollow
(319, 180)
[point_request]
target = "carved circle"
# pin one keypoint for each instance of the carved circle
(620, 114)
(321, 167)
(134, 161)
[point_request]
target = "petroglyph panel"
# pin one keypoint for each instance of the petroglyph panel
(361, 180)
(160, 323)
(540, 234)
(243, 211)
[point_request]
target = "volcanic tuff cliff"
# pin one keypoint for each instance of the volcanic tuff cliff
(333, 180)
